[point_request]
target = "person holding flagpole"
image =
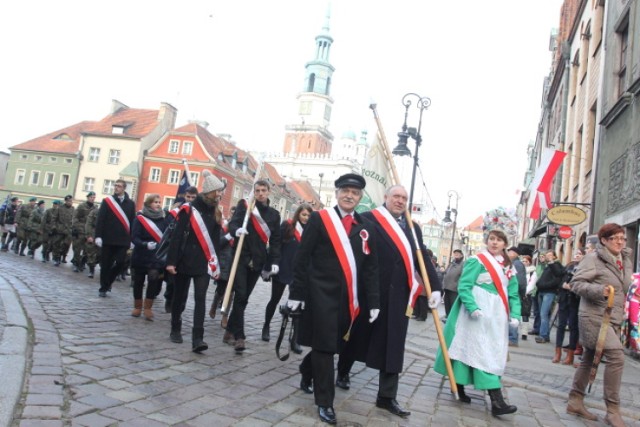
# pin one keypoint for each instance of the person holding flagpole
(148, 229)
(336, 263)
(488, 303)
(113, 234)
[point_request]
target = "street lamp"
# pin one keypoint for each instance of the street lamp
(447, 218)
(403, 137)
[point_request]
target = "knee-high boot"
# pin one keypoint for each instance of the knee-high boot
(498, 405)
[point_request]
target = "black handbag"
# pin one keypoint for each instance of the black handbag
(162, 251)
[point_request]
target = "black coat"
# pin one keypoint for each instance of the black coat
(551, 278)
(319, 281)
(108, 226)
(288, 251)
(254, 250)
(382, 343)
(225, 255)
(192, 261)
(142, 257)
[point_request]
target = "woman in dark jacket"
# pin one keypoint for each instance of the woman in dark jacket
(291, 232)
(146, 233)
(568, 304)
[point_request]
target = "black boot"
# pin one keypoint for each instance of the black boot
(498, 405)
(64, 259)
(56, 261)
(23, 246)
(265, 332)
(92, 271)
(176, 335)
(197, 343)
(462, 395)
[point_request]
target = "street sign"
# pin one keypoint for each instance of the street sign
(566, 215)
(565, 232)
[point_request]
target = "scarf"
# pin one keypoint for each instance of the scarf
(151, 214)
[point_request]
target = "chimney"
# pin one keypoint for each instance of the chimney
(167, 115)
(117, 106)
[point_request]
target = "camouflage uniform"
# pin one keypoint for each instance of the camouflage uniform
(92, 250)
(49, 230)
(24, 213)
(62, 237)
(35, 230)
(79, 235)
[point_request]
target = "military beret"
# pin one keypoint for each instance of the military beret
(351, 180)
(14, 199)
(91, 193)
(33, 199)
(56, 202)
(68, 197)
(41, 202)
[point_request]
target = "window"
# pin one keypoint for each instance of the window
(20, 174)
(37, 158)
(108, 186)
(53, 159)
(89, 184)
(193, 177)
(64, 180)
(94, 154)
(154, 175)
(48, 179)
(623, 39)
(114, 157)
(174, 176)
(187, 147)
(167, 203)
(35, 177)
(23, 157)
(68, 161)
(173, 146)
(117, 130)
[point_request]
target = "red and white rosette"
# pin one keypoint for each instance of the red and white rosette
(364, 235)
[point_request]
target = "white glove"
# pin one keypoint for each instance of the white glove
(373, 314)
(477, 314)
(293, 304)
(228, 236)
(240, 231)
(151, 245)
(274, 270)
(435, 299)
(131, 246)
(98, 242)
(513, 322)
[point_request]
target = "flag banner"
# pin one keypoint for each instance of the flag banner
(183, 184)
(540, 188)
(377, 175)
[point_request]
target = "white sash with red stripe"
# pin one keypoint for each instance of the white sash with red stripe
(151, 228)
(260, 225)
(393, 229)
(344, 251)
(202, 233)
(496, 272)
(118, 212)
(174, 212)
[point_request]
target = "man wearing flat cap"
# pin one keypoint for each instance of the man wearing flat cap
(78, 233)
(23, 225)
(335, 268)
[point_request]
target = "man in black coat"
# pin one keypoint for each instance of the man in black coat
(113, 234)
(381, 344)
(336, 262)
(260, 254)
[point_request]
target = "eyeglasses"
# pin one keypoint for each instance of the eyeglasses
(617, 239)
(118, 185)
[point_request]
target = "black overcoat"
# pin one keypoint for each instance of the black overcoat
(142, 257)
(108, 226)
(319, 281)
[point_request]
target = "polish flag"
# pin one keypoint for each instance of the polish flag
(540, 188)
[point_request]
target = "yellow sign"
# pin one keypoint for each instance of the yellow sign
(566, 215)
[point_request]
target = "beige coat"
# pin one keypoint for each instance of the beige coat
(594, 272)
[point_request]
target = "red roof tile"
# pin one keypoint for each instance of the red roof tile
(66, 140)
(137, 122)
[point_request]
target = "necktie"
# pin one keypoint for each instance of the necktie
(619, 264)
(347, 221)
(402, 222)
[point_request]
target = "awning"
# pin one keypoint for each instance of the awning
(538, 231)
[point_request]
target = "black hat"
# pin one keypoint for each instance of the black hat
(41, 202)
(56, 202)
(351, 180)
(514, 249)
(14, 199)
(68, 197)
(91, 193)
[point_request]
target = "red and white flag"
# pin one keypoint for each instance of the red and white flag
(540, 188)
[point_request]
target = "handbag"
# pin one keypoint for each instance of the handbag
(162, 251)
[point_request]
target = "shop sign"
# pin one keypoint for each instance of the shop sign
(566, 215)
(565, 232)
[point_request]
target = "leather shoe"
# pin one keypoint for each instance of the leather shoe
(327, 414)
(392, 406)
(343, 382)
(265, 333)
(306, 385)
(295, 347)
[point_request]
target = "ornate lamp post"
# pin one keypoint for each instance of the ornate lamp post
(321, 175)
(447, 218)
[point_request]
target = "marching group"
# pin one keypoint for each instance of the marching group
(354, 281)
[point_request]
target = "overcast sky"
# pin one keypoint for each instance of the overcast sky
(240, 64)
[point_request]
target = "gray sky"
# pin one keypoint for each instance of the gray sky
(240, 64)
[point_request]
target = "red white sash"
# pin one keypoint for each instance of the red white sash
(498, 277)
(260, 225)
(174, 212)
(297, 229)
(395, 232)
(202, 233)
(151, 228)
(118, 212)
(344, 251)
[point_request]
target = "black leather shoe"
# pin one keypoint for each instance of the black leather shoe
(265, 333)
(306, 385)
(343, 382)
(327, 414)
(392, 406)
(295, 347)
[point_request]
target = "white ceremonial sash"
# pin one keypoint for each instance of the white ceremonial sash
(260, 225)
(202, 233)
(118, 212)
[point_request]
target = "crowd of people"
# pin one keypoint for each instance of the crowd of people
(355, 280)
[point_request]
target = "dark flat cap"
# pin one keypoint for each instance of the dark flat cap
(41, 202)
(15, 199)
(351, 180)
(514, 249)
(68, 197)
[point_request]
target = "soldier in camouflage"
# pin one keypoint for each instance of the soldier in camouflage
(92, 250)
(78, 233)
(35, 228)
(62, 237)
(49, 229)
(24, 213)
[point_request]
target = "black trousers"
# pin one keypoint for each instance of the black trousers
(319, 366)
(277, 289)
(449, 299)
(154, 284)
(387, 381)
(181, 293)
(112, 261)
(245, 281)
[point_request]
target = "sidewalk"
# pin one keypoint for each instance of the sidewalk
(89, 363)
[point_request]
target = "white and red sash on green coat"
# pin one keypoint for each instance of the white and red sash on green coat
(344, 252)
(500, 280)
(395, 232)
(118, 212)
(202, 233)
(151, 228)
(260, 225)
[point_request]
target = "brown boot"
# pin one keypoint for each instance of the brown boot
(569, 359)
(557, 356)
(613, 417)
(214, 305)
(576, 407)
(148, 313)
(137, 308)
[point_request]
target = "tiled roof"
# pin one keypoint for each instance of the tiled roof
(137, 122)
(270, 172)
(65, 141)
(476, 224)
(306, 192)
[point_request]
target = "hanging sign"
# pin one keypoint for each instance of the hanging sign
(565, 232)
(566, 215)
